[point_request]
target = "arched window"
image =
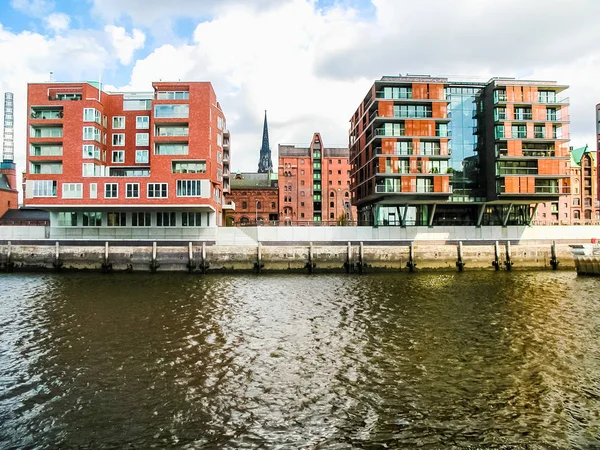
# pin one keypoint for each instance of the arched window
(244, 205)
(273, 205)
(331, 194)
(331, 216)
(346, 194)
(576, 201)
(331, 204)
(587, 201)
(258, 205)
(576, 215)
(244, 221)
(587, 214)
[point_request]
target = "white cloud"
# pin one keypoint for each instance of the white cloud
(57, 22)
(125, 45)
(34, 8)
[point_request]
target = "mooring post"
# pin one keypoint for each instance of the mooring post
(106, 264)
(411, 264)
(459, 262)
(509, 262)
(57, 264)
(361, 258)
(154, 263)
(349, 258)
(496, 261)
(311, 263)
(259, 264)
(554, 260)
(204, 263)
(191, 265)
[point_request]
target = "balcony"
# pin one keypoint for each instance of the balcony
(38, 114)
(229, 205)
(523, 116)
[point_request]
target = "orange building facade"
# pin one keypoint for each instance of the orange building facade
(314, 184)
(429, 151)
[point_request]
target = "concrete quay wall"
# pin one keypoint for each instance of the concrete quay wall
(202, 258)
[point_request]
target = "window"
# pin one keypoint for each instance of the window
(302, 215)
(67, 219)
(111, 190)
(172, 130)
(339, 161)
(331, 172)
(118, 139)
(301, 182)
(92, 219)
(116, 219)
(258, 205)
(142, 122)
(220, 140)
(92, 170)
(46, 150)
(92, 115)
(188, 188)
(189, 167)
(331, 216)
(302, 172)
(157, 190)
(118, 156)
(301, 203)
(44, 188)
(91, 151)
(301, 161)
(118, 123)
(331, 204)
(220, 157)
(132, 190)
(140, 219)
(172, 95)
(339, 172)
(91, 134)
(171, 111)
(191, 219)
(46, 168)
(93, 190)
(339, 182)
(72, 190)
(244, 205)
(141, 139)
(273, 205)
(165, 219)
(141, 156)
(171, 149)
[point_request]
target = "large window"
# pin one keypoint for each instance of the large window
(189, 167)
(165, 219)
(116, 219)
(397, 92)
(91, 151)
(158, 190)
(72, 190)
(142, 122)
(46, 168)
(171, 149)
(141, 156)
(188, 188)
(191, 219)
(118, 139)
(111, 190)
(67, 219)
(177, 130)
(132, 190)
(171, 111)
(91, 134)
(92, 115)
(140, 219)
(118, 123)
(92, 170)
(92, 219)
(142, 139)
(46, 150)
(44, 188)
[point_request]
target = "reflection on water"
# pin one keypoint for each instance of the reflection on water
(139, 361)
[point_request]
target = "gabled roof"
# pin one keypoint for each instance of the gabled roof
(251, 180)
(577, 154)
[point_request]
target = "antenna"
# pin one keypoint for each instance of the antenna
(51, 77)
(8, 143)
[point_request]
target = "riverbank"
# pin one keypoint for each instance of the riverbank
(198, 257)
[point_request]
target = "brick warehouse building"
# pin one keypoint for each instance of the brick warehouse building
(256, 199)
(99, 160)
(314, 183)
(9, 197)
(429, 151)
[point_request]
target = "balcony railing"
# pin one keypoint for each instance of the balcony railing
(517, 171)
(51, 115)
(523, 116)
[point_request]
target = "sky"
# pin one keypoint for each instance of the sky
(309, 63)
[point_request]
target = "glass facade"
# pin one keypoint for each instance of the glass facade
(464, 161)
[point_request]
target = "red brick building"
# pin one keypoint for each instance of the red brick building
(256, 199)
(9, 197)
(314, 183)
(135, 160)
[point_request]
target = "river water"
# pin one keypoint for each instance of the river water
(473, 359)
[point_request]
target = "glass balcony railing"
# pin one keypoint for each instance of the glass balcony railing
(383, 189)
(517, 171)
(51, 115)
(519, 134)
(523, 116)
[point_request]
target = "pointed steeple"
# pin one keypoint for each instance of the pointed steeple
(264, 163)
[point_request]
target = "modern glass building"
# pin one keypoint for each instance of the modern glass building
(425, 151)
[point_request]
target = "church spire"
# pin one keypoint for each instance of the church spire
(264, 163)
